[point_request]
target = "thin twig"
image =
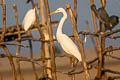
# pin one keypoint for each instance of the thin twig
(11, 43)
(113, 78)
(111, 71)
(2, 40)
(92, 37)
(111, 48)
(117, 58)
(19, 42)
(4, 20)
(76, 72)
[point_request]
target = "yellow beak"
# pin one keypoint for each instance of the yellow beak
(53, 12)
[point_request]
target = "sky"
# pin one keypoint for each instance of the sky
(84, 13)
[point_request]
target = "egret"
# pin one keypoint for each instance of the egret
(109, 21)
(29, 19)
(66, 43)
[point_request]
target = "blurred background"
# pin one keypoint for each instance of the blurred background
(84, 14)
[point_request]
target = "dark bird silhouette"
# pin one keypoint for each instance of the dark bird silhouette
(109, 21)
(101, 14)
(32, 2)
(28, 1)
(114, 20)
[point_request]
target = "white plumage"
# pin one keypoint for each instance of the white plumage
(29, 19)
(66, 43)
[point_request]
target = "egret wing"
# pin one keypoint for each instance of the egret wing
(69, 46)
(29, 19)
(103, 15)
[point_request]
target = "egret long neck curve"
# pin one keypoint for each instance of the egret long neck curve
(59, 30)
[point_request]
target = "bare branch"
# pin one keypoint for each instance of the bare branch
(13, 43)
(111, 48)
(111, 71)
(111, 32)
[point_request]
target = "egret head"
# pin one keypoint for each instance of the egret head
(57, 11)
(62, 10)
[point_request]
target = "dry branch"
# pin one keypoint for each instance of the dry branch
(117, 58)
(113, 77)
(112, 32)
(10, 60)
(19, 42)
(76, 72)
(103, 40)
(111, 49)
(111, 71)
(22, 58)
(4, 20)
(13, 43)
(75, 10)
(92, 37)
(77, 38)
(72, 58)
(12, 32)
(2, 40)
(45, 45)
(99, 72)
(114, 37)
(54, 77)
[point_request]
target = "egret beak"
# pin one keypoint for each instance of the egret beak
(53, 12)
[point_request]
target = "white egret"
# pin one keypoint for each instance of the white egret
(66, 43)
(29, 19)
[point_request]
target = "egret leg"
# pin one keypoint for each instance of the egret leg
(75, 66)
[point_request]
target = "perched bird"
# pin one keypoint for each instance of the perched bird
(29, 19)
(109, 21)
(66, 43)
(114, 20)
(101, 14)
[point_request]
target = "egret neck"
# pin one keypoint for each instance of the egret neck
(59, 30)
